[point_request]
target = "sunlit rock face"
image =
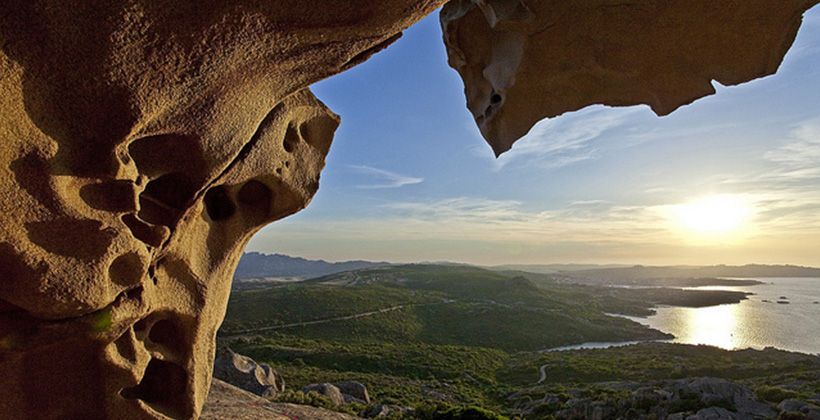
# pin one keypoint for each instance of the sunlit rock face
(142, 143)
(525, 60)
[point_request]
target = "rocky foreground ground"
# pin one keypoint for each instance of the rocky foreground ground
(226, 401)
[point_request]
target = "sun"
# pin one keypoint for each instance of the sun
(719, 213)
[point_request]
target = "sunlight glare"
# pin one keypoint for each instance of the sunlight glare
(718, 213)
(713, 326)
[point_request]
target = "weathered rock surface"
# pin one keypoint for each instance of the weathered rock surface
(811, 411)
(142, 143)
(683, 399)
(227, 402)
(328, 390)
(243, 372)
(525, 60)
(353, 391)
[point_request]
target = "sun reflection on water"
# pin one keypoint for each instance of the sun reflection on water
(715, 326)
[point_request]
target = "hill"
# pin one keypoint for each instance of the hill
(426, 334)
(639, 274)
(552, 268)
(439, 305)
(256, 265)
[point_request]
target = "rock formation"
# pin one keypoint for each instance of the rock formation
(227, 402)
(328, 390)
(525, 60)
(143, 142)
(353, 391)
(341, 393)
(243, 372)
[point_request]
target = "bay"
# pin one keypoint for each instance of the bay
(783, 313)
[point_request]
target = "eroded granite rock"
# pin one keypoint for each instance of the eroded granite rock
(142, 143)
(243, 372)
(525, 60)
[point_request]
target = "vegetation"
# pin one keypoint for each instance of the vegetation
(460, 343)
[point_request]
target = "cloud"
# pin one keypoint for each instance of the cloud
(484, 230)
(389, 179)
(565, 140)
(481, 219)
(799, 158)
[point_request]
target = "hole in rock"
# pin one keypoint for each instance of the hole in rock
(254, 192)
(218, 204)
(152, 273)
(255, 197)
(110, 195)
(291, 139)
(318, 132)
(126, 270)
(155, 155)
(135, 293)
(150, 234)
(140, 326)
(163, 388)
(168, 334)
(164, 198)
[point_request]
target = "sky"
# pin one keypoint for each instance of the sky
(733, 178)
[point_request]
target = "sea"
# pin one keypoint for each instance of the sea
(782, 312)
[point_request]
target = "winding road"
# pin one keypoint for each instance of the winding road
(543, 370)
(340, 318)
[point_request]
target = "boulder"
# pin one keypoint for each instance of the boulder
(378, 410)
(811, 411)
(243, 372)
(715, 413)
(353, 391)
(649, 396)
(713, 391)
(328, 390)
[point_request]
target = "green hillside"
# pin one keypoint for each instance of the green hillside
(441, 305)
(459, 335)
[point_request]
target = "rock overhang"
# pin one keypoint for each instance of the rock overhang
(143, 143)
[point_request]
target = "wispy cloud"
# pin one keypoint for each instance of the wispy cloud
(386, 179)
(799, 157)
(488, 220)
(565, 140)
(474, 229)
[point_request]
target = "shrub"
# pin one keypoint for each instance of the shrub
(774, 394)
(312, 398)
(444, 411)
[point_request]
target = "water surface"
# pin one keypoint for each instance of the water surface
(792, 324)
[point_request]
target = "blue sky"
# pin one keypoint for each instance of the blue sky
(409, 177)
